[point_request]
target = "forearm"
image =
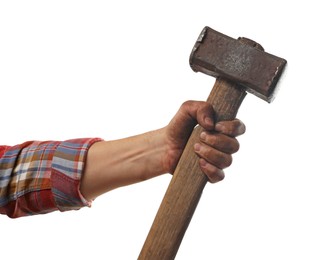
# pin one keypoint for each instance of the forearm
(65, 172)
(113, 164)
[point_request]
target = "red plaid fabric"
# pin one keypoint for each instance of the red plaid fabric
(41, 177)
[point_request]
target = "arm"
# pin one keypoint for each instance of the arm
(113, 164)
(40, 177)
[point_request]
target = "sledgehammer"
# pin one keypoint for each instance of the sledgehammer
(239, 65)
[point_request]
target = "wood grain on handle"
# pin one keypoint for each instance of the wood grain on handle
(188, 182)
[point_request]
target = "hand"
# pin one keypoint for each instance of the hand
(117, 163)
(217, 143)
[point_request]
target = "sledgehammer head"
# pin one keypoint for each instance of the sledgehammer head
(241, 61)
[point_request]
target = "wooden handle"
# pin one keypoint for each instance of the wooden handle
(188, 182)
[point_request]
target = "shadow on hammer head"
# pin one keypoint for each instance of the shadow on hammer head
(242, 61)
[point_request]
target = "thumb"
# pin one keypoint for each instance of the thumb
(189, 114)
(197, 112)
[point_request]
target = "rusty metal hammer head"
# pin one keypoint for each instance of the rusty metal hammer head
(242, 61)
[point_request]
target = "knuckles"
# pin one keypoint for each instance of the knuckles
(216, 147)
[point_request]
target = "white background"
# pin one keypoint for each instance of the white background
(113, 69)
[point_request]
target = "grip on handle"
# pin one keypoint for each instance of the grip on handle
(188, 182)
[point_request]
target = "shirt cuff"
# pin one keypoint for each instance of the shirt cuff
(66, 172)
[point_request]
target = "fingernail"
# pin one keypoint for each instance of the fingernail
(209, 121)
(197, 147)
(203, 135)
(242, 129)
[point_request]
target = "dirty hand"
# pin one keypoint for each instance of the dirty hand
(117, 163)
(217, 143)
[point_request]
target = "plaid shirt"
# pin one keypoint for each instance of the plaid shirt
(41, 177)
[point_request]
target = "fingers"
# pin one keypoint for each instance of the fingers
(213, 173)
(217, 143)
(192, 112)
(220, 142)
(213, 156)
(212, 161)
(232, 128)
(215, 148)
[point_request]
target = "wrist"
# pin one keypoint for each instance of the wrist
(155, 154)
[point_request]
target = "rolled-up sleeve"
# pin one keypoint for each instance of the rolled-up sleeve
(41, 177)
